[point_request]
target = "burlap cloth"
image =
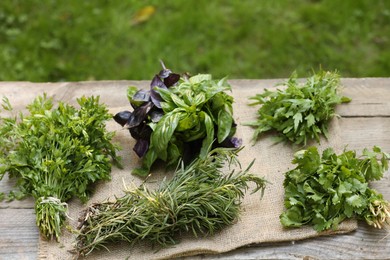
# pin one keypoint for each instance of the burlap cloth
(258, 222)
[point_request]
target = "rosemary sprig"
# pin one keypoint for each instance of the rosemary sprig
(199, 199)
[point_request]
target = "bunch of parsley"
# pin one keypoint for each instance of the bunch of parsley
(325, 190)
(179, 117)
(54, 154)
(300, 112)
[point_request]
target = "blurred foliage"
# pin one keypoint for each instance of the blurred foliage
(53, 40)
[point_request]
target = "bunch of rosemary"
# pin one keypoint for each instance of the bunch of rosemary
(199, 199)
(54, 153)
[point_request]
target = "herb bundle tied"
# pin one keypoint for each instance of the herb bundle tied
(301, 112)
(54, 154)
(179, 117)
(325, 190)
(200, 199)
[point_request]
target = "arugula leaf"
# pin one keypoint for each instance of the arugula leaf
(325, 190)
(54, 153)
(300, 112)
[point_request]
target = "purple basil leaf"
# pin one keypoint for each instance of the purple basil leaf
(122, 117)
(139, 115)
(171, 80)
(142, 95)
(156, 115)
(164, 73)
(141, 147)
(157, 82)
(155, 97)
(143, 131)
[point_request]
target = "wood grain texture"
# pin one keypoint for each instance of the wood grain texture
(18, 234)
(365, 122)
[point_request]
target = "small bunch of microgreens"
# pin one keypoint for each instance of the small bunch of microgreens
(199, 199)
(300, 112)
(325, 190)
(54, 154)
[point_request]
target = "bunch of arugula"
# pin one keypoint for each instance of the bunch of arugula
(200, 199)
(179, 117)
(300, 112)
(54, 154)
(325, 190)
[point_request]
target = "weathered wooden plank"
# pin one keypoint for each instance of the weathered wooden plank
(365, 243)
(18, 234)
(361, 244)
(370, 96)
(6, 185)
(112, 93)
(358, 133)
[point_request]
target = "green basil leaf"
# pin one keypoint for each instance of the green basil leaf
(200, 78)
(163, 133)
(208, 140)
(187, 122)
(225, 122)
(147, 162)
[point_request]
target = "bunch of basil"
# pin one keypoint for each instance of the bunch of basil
(180, 117)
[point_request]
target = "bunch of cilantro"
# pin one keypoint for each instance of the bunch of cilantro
(325, 190)
(179, 118)
(301, 112)
(54, 154)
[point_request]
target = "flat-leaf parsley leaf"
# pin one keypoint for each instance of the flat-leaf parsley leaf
(325, 190)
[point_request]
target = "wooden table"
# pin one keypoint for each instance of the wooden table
(365, 122)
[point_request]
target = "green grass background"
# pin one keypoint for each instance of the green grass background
(74, 40)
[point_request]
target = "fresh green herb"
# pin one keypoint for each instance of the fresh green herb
(323, 191)
(55, 153)
(199, 199)
(179, 118)
(300, 112)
